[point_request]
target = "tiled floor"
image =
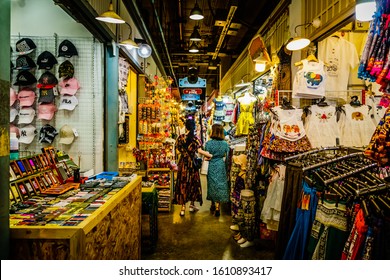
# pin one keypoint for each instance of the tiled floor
(201, 236)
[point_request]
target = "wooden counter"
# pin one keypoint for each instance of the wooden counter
(112, 232)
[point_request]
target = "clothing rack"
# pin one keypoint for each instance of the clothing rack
(312, 152)
(373, 189)
(340, 177)
(307, 168)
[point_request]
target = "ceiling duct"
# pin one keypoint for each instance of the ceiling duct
(225, 30)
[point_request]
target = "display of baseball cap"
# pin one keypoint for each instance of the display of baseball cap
(14, 129)
(46, 60)
(47, 134)
(46, 95)
(25, 78)
(69, 86)
(47, 80)
(68, 102)
(46, 111)
(25, 46)
(12, 114)
(26, 97)
(26, 115)
(66, 70)
(67, 49)
(24, 62)
(27, 134)
(12, 96)
(66, 135)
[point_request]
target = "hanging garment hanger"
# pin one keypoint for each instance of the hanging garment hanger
(322, 102)
(355, 101)
(286, 105)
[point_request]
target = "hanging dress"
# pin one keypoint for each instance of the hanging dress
(245, 118)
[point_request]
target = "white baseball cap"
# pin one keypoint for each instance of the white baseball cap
(12, 114)
(66, 135)
(26, 115)
(27, 134)
(68, 102)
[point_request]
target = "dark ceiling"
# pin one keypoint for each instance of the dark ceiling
(239, 20)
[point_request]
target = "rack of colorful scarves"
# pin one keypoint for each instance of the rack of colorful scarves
(335, 206)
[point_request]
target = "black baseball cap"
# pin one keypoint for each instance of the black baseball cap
(46, 95)
(66, 70)
(47, 134)
(25, 46)
(24, 62)
(47, 80)
(67, 49)
(46, 60)
(25, 78)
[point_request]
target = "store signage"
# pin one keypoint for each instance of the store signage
(192, 91)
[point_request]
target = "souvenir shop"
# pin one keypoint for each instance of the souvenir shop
(309, 162)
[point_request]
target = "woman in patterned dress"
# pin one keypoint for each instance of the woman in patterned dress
(187, 186)
(217, 181)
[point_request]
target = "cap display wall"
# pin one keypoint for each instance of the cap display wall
(87, 116)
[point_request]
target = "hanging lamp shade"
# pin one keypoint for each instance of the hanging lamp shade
(144, 50)
(110, 16)
(193, 48)
(196, 12)
(297, 43)
(129, 43)
(365, 9)
(195, 35)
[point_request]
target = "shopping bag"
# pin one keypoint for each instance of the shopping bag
(205, 167)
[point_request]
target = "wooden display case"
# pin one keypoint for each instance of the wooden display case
(163, 183)
(112, 232)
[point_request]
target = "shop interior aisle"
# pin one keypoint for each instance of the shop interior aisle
(201, 236)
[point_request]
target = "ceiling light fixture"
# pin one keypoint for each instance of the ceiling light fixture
(193, 48)
(196, 12)
(129, 43)
(365, 9)
(298, 43)
(262, 60)
(195, 35)
(110, 16)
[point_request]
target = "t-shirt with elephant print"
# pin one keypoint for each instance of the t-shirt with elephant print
(310, 81)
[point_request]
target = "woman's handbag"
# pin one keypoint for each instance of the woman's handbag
(205, 167)
(197, 161)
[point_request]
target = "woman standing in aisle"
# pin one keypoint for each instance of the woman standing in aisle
(187, 187)
(217, 182)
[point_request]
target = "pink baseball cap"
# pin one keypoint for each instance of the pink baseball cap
(46, 111)
(26, 97)
(69, 86)
(12, 96)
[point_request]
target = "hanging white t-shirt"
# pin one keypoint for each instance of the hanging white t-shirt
(340, 57)
(310, 81)
(289, 125)
(356, 126)
(321, 126)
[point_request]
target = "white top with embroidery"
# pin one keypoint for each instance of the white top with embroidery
(289, 125)
(376, 112)
(340, 57)
(356, 126)
(309, 82)
(229, 108)
(321, 126)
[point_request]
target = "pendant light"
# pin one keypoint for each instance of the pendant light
(195, 35)
(193, 48)
(298, 43)
(365, 9)
(129, 43)
(196, 12)
(110, 16)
